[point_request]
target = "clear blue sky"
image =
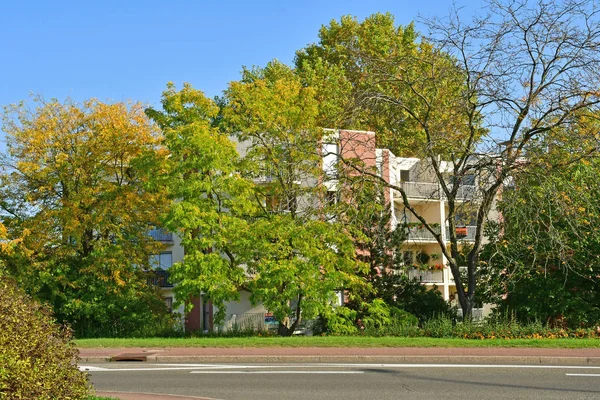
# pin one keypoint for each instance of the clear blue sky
(129, 49)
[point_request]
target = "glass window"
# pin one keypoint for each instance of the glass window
(169, 303)
(330, 159)
(404, 176)
(469, 180)
(161, 261)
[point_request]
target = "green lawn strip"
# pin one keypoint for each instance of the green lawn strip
(101, 398)
(336, 341)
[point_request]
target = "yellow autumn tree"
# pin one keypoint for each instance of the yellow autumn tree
(75, 189)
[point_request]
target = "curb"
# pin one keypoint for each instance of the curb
(147, 396)
(530, 360)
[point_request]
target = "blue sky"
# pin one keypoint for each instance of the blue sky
(129, 49)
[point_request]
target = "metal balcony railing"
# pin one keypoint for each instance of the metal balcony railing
(159, 278)
(426, 276)
(421, 190)
(463, 233)
(465, 192)
(430, 190)
(161, 235)
(421, 233)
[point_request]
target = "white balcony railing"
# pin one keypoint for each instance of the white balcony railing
(421, 190)
(430, 190)
(421, 233)
(426, 276)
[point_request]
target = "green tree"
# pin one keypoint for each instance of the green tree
(297, 259)
(74, 192)
(362, 67)
(542, 262)
(479, 97)
(211, 200)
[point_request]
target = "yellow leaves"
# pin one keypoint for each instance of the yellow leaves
(117, 278)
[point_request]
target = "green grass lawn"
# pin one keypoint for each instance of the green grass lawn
(336, 341)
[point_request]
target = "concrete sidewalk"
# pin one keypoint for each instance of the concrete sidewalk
(329, 354)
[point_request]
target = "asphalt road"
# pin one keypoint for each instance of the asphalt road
(350, 381)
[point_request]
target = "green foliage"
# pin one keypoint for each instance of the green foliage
(75, 196)
(341, 321)
(37, 359)
(422, 258)
(363, 63)
(212, 199)
(543, 263)
(295, 259)
(378, 319)
(300, 262)
(376, 315)
(411, 296)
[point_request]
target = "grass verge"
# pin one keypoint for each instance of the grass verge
(338, 341)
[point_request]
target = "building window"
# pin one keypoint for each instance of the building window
(169, 303)
(162, 261)
(330, 159)
(404, 176)
(468, 180)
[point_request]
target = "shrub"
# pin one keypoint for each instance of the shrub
(37, 359)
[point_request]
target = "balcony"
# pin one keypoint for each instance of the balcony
(426, 276)
(463, 233)
(420, 233)
(161, 235)
(465, 192)
(421, 190)
(432, 191)
(159, 278)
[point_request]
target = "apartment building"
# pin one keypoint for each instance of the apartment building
(421, 253)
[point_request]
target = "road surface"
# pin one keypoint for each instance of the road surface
(350, 381)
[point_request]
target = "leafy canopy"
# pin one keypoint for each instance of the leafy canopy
(74, 192)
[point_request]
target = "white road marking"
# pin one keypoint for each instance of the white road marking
(223, 367)
(531, 366)
(91, 368)
(582, 374)
(277, 372)
(371, 365)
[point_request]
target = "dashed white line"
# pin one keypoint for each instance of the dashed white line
(225, 367)
(277, 372)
